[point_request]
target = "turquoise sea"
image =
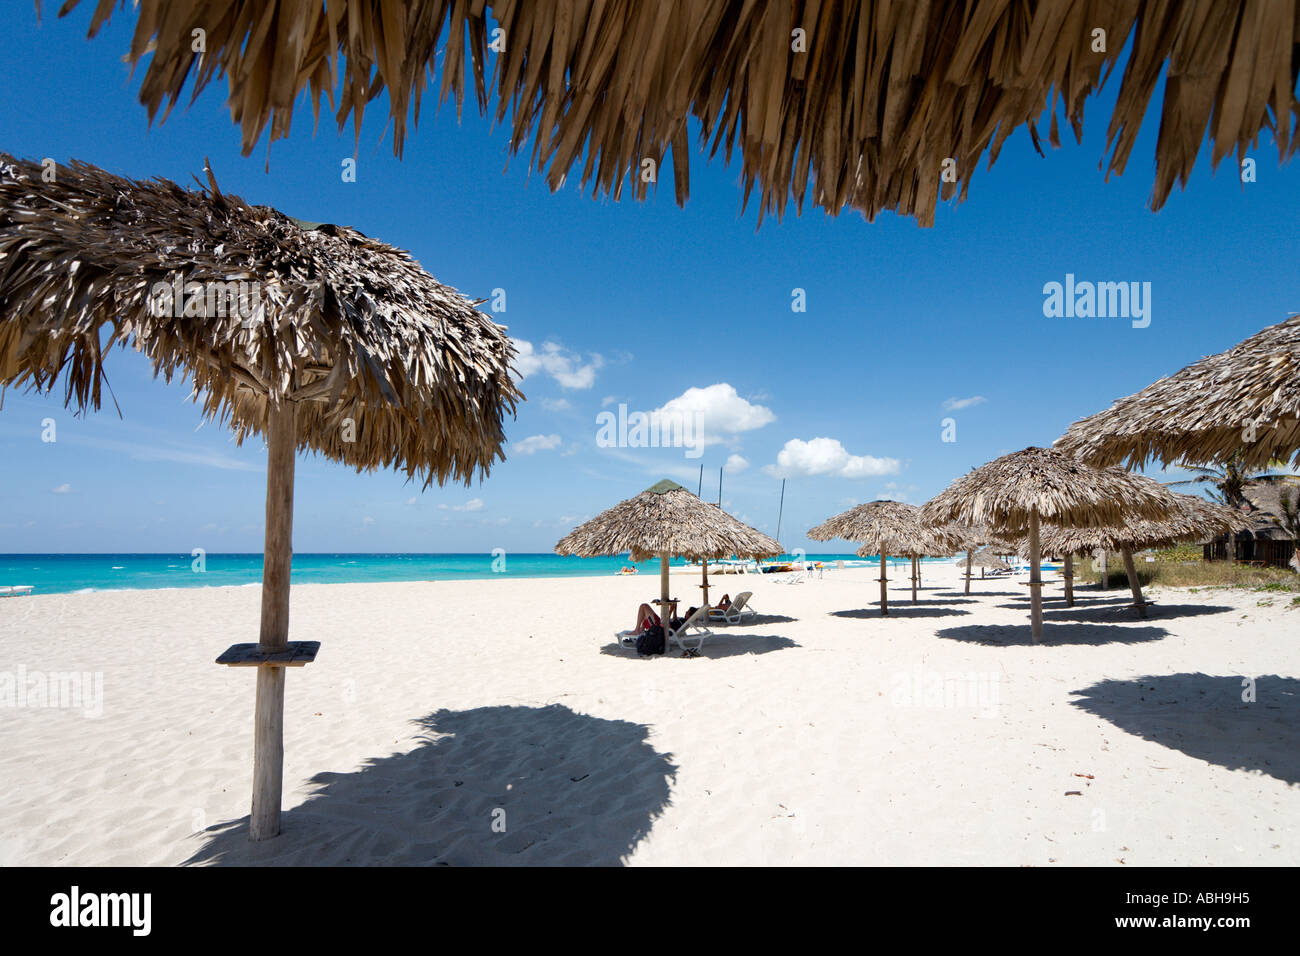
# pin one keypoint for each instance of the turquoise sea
(65, 573)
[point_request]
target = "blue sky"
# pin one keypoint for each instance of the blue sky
(638, 303)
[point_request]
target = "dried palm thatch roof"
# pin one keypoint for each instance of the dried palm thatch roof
(667, 519)
(1266, 518)
(1194, 520)
(888, 527)
(984, 558)
(979, 536)
(347, 327)
(1245, 400)
(1063, 490)
(862, 108)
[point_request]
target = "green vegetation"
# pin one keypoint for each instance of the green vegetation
(1180, 552)
(1176, 573)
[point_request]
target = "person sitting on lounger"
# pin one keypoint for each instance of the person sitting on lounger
(724, 602)
(646, 618)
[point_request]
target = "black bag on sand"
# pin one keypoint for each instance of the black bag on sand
(651, 641)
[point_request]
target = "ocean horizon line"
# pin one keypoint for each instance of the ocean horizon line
(80, 572)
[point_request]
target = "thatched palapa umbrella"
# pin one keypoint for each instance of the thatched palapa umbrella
(1017, 491)
(1244, 402)
(982, 558)
(868, 105)
(975, 538)
(340, 345)
(1193, 519)
(668, 521)
(885, 528)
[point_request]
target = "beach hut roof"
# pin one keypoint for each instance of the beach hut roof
(1063, 490)
(1244, 402)
(387, 366)
(667, 519)
(1195, 519)
(1264, 519)
(888, 527)
(866, 107)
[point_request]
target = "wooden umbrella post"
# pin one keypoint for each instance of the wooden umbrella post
(268, 723)
(884, 596)
(1035, 579)
(705, 585)
(1134, 585)
(1068, 573)
(273, 652)
(969, 558)
(665, 609)
(1104, 580)
(915, 572)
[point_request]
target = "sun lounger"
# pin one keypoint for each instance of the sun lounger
(694, 624)
(15, 590)
(733, 613)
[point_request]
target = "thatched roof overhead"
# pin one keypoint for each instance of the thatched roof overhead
(348, 327)
(1062, 489)
(861, 109)
(667, 519)
(979, 536)
(1194, 520)
(1208, 411)
(888, 527)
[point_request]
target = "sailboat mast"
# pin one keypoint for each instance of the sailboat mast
(781, 512)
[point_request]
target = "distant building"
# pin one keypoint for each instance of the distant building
(1266, 541)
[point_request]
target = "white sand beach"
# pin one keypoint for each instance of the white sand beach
(813, 735)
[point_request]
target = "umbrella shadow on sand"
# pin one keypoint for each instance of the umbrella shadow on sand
(1057, 602)
(901, 610)
(928, 601)
(1205, 717)
(1112, 613)
(976, 593)
(1014, 635)
(757, 619)
(493, 785)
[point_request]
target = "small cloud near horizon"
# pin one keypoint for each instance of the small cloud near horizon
(957, 404)
(535, 443)
(63, 489)
(474, 504)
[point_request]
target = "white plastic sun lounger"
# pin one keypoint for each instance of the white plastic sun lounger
(15, 590)
(735, 612)
(680, 636)
(695, 625)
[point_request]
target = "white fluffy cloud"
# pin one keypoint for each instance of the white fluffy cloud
(535, 443)
(826, 456)
(64, 489)
(556, 404)
(957, 404)
(736, 464)
(474, 504)
(716, 413)
(567, 368)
